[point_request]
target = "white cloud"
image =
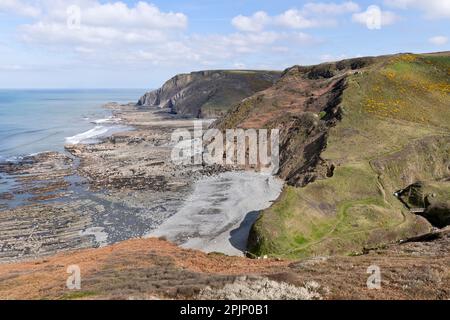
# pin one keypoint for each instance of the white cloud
(19, 7)
(432, 8)
(375, 18)
(114, 14)
(255, 23)
(438, 40)
(303, 38)
(58, 33)
(12, 67)
(142, 35)
(296, 19)
(236, 43)
(102, 24)
(331, 8)
(85, 50)
(219, 49)
(312, 14)
(280, 49)
(143, 15)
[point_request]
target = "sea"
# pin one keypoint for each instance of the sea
(34, 121)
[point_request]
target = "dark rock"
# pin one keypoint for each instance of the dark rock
(207, 93)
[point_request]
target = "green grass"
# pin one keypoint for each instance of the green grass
(322, 114)
(394, 103)
(441, 62)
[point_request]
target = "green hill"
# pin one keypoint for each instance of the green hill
(352, 134)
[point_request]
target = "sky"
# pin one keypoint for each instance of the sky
(141, 44)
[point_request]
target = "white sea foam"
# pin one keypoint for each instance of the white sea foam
(38, 153)
(12, 159)
(19, 158)
(88, 135)
(107, 120)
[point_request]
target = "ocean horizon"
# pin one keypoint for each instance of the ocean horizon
(39, 120)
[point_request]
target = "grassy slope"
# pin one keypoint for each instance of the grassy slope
(397, 101)
(225, 97)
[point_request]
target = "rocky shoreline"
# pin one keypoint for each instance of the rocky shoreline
(95, 194)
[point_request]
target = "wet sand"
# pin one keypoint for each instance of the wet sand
(218, 215)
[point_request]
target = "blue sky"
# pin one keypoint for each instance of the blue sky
(140, 44)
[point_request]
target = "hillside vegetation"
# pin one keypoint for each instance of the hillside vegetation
(156, 269)
(353, 133)
(364, 151)
(207, 94)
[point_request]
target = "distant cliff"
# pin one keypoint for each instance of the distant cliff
(208, 93)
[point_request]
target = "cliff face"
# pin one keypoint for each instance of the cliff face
(208, 93)
(304, 104)
(352, 133)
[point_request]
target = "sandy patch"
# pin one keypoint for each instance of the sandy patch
(218, 215)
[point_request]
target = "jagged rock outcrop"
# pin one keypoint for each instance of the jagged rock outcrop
(433, 198)
(304, 105)
(208, 93)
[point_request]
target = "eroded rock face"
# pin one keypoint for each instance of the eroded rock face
(422, 170)
(343, 157)
(207, 93)
(304, 104)
(433, 198)
(438, 214)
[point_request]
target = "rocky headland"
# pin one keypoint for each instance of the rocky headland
(208, 94)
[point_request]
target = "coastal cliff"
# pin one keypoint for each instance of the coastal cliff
(207, 94)
(353, 133)
(364, 152)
